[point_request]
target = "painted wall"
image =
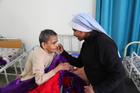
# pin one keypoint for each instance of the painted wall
(25, 19)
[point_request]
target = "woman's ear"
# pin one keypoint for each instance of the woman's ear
(43, 45)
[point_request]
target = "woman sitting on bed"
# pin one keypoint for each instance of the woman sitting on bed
(41, 57)
(38, 59)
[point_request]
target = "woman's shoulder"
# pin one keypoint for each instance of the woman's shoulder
(105, 40)
(103, 37)
(38, 51)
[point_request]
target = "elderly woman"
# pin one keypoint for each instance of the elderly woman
(99, 57)
(39, 60)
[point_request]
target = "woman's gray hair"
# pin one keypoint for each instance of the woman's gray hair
(45, 34)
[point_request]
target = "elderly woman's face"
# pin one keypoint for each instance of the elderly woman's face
(80, 35)
(51, 45)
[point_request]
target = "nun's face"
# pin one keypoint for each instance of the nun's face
(80, 35)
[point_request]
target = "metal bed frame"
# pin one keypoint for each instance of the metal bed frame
(70, 43)
(132, 63)
(14, 64)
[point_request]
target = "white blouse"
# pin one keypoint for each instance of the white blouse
(37, 61)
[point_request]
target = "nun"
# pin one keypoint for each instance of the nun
(99, 56)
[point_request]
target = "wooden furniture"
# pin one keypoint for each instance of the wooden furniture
(10, 43)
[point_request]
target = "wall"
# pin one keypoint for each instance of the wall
(25, 19)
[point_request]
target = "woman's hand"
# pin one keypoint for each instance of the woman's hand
(18, 76)
(88, 89)
(62, 66)
(72, 68)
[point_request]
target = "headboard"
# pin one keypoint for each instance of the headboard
(10, 43)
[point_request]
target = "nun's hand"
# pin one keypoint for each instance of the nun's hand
(60, 48)
(88, 89)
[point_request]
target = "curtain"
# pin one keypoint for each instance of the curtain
(120, 19)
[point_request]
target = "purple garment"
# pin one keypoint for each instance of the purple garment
(18, 86)
(77, 83)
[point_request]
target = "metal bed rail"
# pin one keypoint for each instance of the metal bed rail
(131, 62)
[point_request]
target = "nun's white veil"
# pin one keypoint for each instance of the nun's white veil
(86, 23)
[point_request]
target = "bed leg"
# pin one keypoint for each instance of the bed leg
(6, 76)
(15, 69)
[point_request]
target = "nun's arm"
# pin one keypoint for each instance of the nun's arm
(72, 60)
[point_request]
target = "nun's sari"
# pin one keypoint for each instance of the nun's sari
(62, 82)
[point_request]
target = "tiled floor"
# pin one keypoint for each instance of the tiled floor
(10, 77)
(3, 80)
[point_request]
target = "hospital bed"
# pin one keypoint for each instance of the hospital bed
(69, 42)
(131, 62)
(10, 51)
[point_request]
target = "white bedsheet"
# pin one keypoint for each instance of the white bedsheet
(10, 54)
